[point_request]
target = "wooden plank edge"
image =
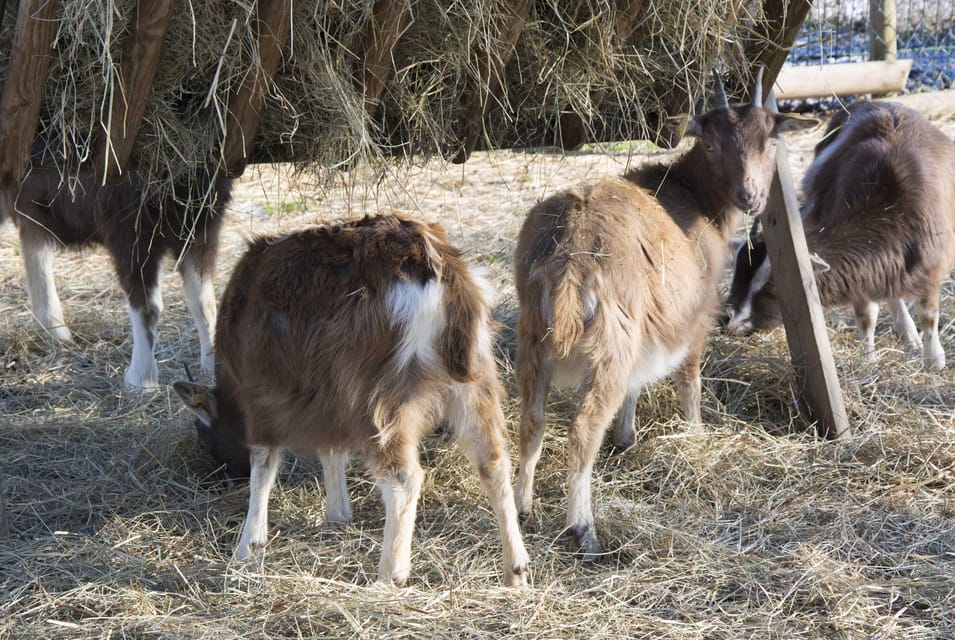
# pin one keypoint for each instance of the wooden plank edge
(136, 72)
(22, 96)
(244, 109)
(489, 83)
(802, 312)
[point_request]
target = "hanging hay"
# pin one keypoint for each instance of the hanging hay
(568, 60)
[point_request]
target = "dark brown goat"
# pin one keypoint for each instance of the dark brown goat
(617, 284)
(357, 337)
(879, 218)
(138, 231)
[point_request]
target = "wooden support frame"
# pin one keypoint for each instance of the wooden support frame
(23, 88)
(389, 20)
(489, 82)
(802, 312)
(244, 112)
(132, 87)
(573, 127)
(773, 40)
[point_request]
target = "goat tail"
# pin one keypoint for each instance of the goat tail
(567, 321)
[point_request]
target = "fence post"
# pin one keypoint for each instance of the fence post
(883, 44)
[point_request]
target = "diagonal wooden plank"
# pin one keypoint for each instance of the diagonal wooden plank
(573, 127)
(23, 88)
(489, 82)
(799, 304)
(244, 113)
(132, 87)
(389, 20)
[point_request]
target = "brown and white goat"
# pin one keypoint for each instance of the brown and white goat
(357, 337)
(138, 230)
(617, 283)
(879, 218)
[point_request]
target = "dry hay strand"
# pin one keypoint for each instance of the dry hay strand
(121, 528)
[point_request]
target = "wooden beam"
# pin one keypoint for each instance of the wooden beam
(773, 40)
(23, 88)
(489, 82)
(389, 20)
(574, 128)
(132, 87)
(802, 312)
(244, 112)
(841, 79)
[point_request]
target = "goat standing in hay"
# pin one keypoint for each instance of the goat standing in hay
(357, 337)
(617, 284)
(879, 218)
(138, 230)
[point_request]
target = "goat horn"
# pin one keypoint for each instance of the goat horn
(720, 91)
(758, 89)
(188, 373)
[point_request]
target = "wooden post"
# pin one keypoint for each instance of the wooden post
(573, 129)
(883, 41)
(244, 111)
(142, 49)
(23, 87)
(388, 22)
(799, 303)
(489, 82)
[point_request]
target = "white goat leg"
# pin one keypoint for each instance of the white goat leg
(41, 288)
(265, 466)
(201, 300)
(337, 506)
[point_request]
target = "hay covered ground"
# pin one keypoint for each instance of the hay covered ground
(120, 528)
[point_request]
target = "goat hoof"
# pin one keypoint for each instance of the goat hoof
(517, 576)
(585, 542)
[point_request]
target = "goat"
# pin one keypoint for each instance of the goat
(357, 337)
(617, 287)
(879, 218)
(138, 230)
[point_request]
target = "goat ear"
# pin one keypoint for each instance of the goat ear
(685, 126)
(792, 122)
(818, 264)
(200, 399)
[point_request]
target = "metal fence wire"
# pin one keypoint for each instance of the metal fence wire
(839, 31)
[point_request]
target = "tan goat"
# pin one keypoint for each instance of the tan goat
(617, 283)
(357, 337)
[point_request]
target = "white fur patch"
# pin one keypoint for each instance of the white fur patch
(742, 319)
(419, 311)
(654, 363)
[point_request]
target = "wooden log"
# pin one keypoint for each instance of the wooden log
(244, 111)
(489, 82)
(132, 87)
(844, 79)
(23, 88)
(799, 304)
(389, 20)
(574, 128)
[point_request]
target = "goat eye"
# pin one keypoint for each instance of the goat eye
(709, 148)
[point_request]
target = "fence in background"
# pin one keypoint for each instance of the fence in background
(841, 31)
